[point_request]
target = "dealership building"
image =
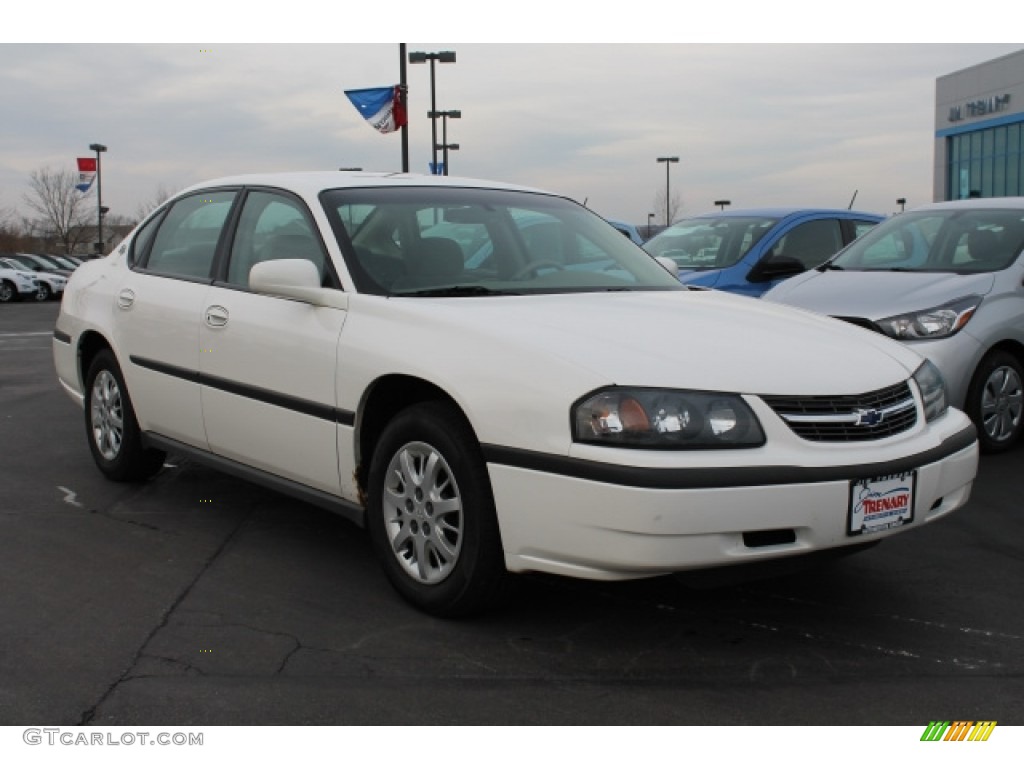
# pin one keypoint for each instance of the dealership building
(979, 130)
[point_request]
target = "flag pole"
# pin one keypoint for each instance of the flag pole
(404, 96)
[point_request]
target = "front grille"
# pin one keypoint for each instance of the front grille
(848, 418)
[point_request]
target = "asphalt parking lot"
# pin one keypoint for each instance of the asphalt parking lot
(199, 599)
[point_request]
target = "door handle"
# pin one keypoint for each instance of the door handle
(216, 316)
(126, 298)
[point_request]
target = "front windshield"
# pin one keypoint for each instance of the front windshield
(960, 240)
(710, 242)
(437, 241)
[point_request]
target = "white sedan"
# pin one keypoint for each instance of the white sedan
(561, 404)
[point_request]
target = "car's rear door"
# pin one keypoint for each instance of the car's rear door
(159, 304)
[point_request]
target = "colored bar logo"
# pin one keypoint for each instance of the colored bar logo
(958, 730)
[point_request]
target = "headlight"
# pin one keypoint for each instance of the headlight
(933, 390)
(935, 323)
(667, 419)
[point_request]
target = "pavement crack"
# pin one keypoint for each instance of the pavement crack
(89, 714)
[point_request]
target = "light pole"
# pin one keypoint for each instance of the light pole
(668, 162)
(649, 217)
(98, 148)
(445, 57)
(722, 203)
(902, 203)
(445, 146)
(403, 95)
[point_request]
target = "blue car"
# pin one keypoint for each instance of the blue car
(750, 251)
(628, 230)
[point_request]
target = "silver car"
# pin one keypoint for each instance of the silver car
(947, 279)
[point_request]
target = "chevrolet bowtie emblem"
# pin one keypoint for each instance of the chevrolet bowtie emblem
(868, 417)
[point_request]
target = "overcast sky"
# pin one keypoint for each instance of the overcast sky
(758, 124)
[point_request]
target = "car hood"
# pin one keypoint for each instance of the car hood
(875, 294)
(710, 276)
(704, 340)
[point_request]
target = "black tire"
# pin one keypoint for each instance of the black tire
(43, 292)
(995, 401)
(430, 513)
(110, 425)
(8, 292)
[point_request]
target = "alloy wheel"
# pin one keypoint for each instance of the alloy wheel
(107, 415)
(423, 513)
(1002, 403)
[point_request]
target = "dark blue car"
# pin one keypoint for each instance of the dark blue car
(749, 251)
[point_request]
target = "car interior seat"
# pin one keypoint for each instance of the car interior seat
(433, 260)
(983, 246)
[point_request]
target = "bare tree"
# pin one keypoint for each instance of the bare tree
(159, 197)
(64, 210)
(674, 206)
(14, 235)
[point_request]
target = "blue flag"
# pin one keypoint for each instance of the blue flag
(381, 107)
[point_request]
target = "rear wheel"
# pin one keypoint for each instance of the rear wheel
(114, 436)
(431, 512)
(995, 401)
(7, 292)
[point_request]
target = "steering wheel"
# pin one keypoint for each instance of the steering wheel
(532, 266)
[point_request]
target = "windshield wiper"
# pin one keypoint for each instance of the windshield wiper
(458, 290)
(829, 265)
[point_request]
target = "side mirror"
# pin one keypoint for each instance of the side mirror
(669, 264)
(775, 268)
(294, 279)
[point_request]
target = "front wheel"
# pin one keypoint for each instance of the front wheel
(431, 514)
(995, 401)
(43, 292)
(113, 432)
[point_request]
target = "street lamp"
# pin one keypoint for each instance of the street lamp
(722, 203)
(667, 161)
(445, 146)
(902, 203)
(445, 57)
(98, 148)
(650, 216)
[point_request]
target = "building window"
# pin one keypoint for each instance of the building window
(985, 163)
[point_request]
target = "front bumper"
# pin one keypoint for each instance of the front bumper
(577, 525)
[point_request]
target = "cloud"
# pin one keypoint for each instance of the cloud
(761, 124)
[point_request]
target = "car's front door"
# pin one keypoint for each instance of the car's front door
(268, 363)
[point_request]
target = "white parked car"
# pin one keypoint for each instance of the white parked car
(535, 410)
(47, 285)
(16, 283)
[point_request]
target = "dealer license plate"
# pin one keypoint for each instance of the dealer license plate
(881, 503)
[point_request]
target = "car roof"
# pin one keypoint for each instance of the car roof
(311, 183)
(784, 211)
(975, 203)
